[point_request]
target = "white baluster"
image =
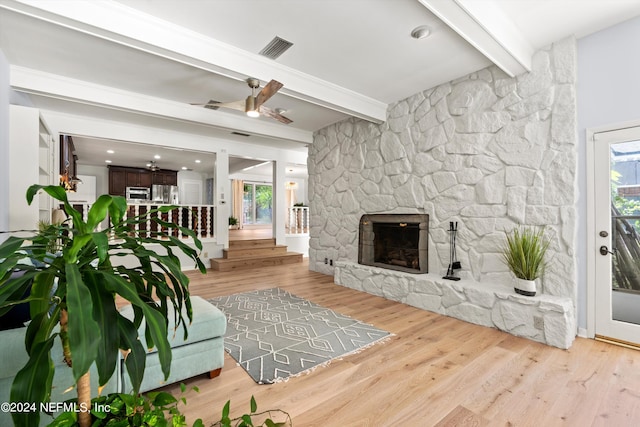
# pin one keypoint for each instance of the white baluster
(179, 223)
(199, 221)
(209, 233)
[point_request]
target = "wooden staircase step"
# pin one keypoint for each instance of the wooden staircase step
(253, 251)
(253, 243)
(226, 264)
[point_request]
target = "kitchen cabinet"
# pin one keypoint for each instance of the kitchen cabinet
(117, 181)
(121, 177)
(165, 177)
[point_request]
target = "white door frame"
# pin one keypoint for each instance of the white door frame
(592, 244)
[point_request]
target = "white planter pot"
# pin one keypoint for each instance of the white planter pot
(525, 287)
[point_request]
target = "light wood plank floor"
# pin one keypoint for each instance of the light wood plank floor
(435, 371)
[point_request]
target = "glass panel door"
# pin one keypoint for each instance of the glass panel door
(617, 221)
(258, 203)
(264, 199)
(625, 227)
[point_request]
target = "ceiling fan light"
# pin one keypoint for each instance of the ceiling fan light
(250, 107)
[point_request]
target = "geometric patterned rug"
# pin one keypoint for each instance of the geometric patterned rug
(275, 335)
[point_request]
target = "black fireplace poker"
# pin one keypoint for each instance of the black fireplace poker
(454, 264)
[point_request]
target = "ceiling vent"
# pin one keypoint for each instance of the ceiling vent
(275, 48)
(239, 133)
(211, 105)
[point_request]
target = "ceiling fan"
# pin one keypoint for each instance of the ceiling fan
(153, 166)
(253, 105)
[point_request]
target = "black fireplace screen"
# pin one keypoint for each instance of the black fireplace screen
(394, 241)
(397, 244)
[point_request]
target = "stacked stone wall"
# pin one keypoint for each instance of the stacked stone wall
(487, 150)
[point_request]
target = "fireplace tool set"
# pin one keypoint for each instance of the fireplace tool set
(454, 264)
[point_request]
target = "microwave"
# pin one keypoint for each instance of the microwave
(138, 194)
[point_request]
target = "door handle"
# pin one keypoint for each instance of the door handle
(605, 250)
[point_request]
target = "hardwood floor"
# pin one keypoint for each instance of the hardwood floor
(435, 371)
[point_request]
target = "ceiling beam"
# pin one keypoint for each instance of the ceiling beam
(487, 28)
(60, 87)
(124, 25)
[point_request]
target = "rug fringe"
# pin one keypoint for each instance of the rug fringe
(382, 340)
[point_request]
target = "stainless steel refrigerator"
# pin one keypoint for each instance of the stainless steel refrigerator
(165, 194)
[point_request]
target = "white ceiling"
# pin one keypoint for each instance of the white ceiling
(145, 61)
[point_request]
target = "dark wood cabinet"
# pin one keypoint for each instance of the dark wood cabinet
(144, 179)
(165, 177)
(133, 178)
(117, 181)
(121, 177)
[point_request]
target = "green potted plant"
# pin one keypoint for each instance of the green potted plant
(233, 222)
(524, 253)
(72, 295)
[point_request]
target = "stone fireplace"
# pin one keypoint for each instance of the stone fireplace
(487, 150)
(395, 241)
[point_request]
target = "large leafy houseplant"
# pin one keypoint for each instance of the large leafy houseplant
(524, 253)
(76, 289)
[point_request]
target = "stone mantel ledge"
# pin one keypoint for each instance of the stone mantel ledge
(544, 318)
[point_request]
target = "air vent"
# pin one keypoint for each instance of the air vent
(212, 107)
(239, 133)
(275, 48)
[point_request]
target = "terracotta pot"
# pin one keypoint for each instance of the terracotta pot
(525, 287)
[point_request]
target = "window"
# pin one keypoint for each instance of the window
(257, 203)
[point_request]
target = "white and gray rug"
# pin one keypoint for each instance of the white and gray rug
(274, 335)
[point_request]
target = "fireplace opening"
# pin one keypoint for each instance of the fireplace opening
(394, 241)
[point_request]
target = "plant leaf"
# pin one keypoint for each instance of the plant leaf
(136, 359)
(33, 383)
(84, 331)
(106, 316)
(10, 246)
(102, 245)
(254, 405)
(163, 398)
(225, 409)
(98, 211)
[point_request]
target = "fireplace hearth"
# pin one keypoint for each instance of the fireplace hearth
(395, 241)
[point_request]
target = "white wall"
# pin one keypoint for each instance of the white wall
(102, 177)
(608, 92)
(4, 145)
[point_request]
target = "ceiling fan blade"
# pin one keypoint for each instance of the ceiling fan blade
(271, 113)
(235, 105)
(267, 92)
(214, 105)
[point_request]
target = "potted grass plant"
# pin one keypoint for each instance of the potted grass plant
(233, 223)
(524, 253)
(72, 295)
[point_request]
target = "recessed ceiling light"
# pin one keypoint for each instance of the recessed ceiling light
(197, 161)
(107, 161)
(184, 168)
(110, 151)
(148, 165)
(157, 156)
(420, 32)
